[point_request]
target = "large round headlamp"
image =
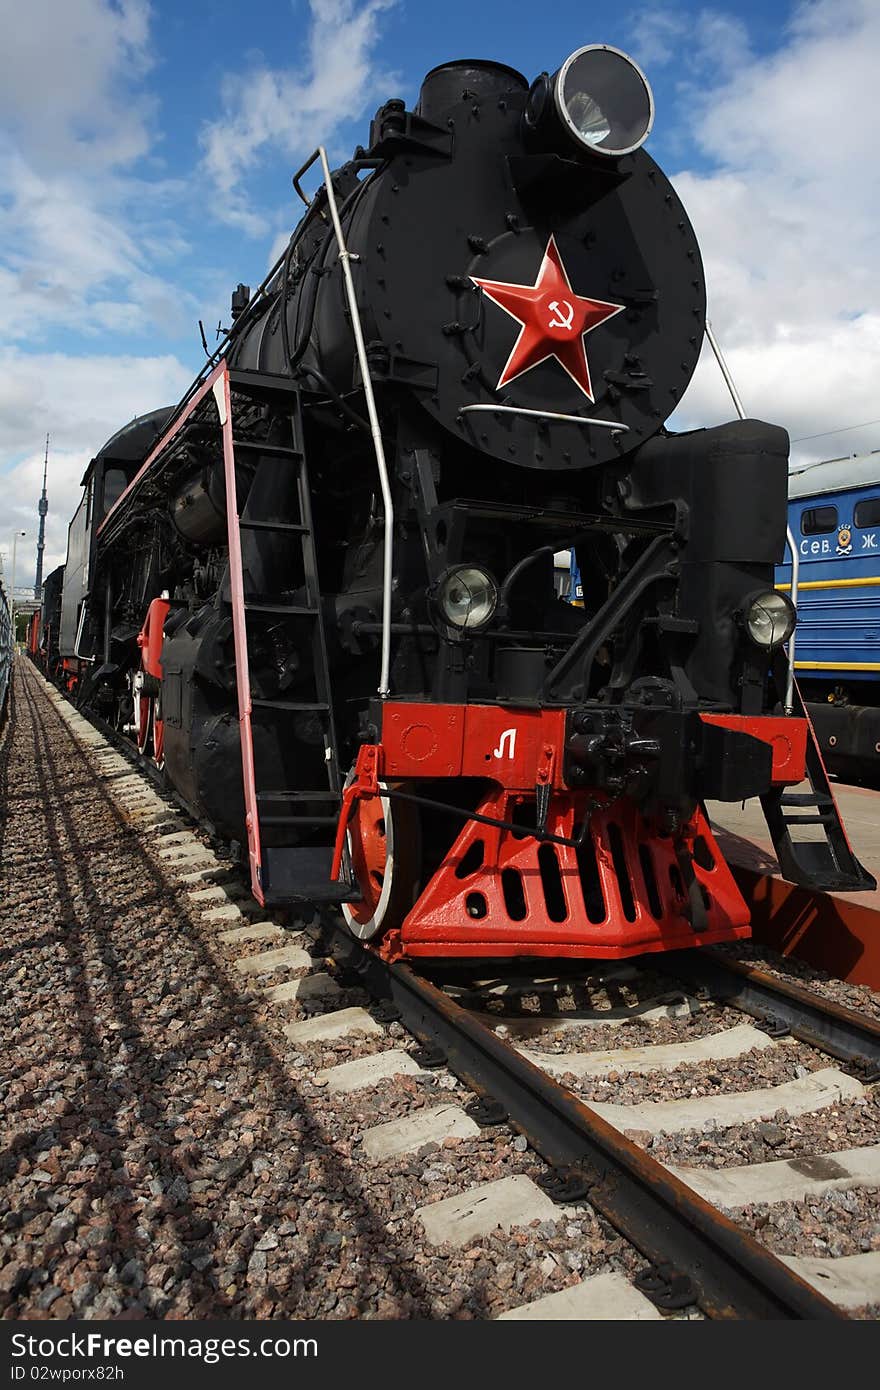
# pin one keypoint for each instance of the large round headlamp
(602, 99)
(770, 619)
(466, 597)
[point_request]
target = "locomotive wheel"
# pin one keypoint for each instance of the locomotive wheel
(142, 715)
(158, 733)
(384, 847)
(144, 719)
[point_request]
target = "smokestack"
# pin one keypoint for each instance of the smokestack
(42, 508)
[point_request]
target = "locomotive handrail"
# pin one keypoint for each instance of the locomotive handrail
(345, 259)
(546, 415)
(79, 635)
(795, 576)
(365, 163)
(304, 170)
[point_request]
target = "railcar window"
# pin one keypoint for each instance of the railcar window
(114, 486)
(815, 521)
(867, 512)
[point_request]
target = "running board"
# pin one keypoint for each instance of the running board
(302, 874)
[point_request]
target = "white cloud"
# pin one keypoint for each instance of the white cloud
(291, 110)
(81, 237)
(68, 259)
(65, 79)
(656, 36)
(709, 39)
(91, 229)
(80, 402)
(787, 226)
(807, 383)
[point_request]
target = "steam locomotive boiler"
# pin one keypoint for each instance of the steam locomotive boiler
(322, 596)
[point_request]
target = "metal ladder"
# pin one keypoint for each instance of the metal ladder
(282, 874)
(287, 788)
(828, 863)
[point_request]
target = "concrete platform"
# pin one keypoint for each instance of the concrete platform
(600, 1298)
(501, 1205)
(836, 932)
(859, 807)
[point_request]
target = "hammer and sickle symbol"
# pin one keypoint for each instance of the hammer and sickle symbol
(560, 309)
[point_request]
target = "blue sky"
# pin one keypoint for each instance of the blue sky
(146, 150)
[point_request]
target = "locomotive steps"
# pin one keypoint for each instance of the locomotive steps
(462, 1199)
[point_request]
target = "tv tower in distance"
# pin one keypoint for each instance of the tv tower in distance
(42, 508)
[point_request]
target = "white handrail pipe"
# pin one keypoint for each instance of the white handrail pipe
(345, 259)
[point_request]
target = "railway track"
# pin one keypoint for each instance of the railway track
(610, 1105)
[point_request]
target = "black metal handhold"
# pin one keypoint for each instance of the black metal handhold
(666, 1286)
(429, 1057)
(486, 1112)
(564, 1186)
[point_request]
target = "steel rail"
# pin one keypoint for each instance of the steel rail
(732, 1274)
(824, 1024)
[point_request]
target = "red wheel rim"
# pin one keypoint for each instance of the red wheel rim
(368, 845)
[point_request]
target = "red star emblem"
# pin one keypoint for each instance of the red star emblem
(553, 321)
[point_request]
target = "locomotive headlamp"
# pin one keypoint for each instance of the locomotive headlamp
(601, 97)
(770, 619)
(467, 597)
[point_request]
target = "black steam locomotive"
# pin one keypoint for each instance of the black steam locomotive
(320, 591)
(7, 644)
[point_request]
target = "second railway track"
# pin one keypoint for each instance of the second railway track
(644, 1091)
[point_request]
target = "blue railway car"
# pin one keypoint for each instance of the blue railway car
(834, 514)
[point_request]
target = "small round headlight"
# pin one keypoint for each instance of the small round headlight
(770, 619)
(604, 100)
(467, 597)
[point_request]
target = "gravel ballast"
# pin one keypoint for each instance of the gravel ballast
(169, 1153)
(166, 1153)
